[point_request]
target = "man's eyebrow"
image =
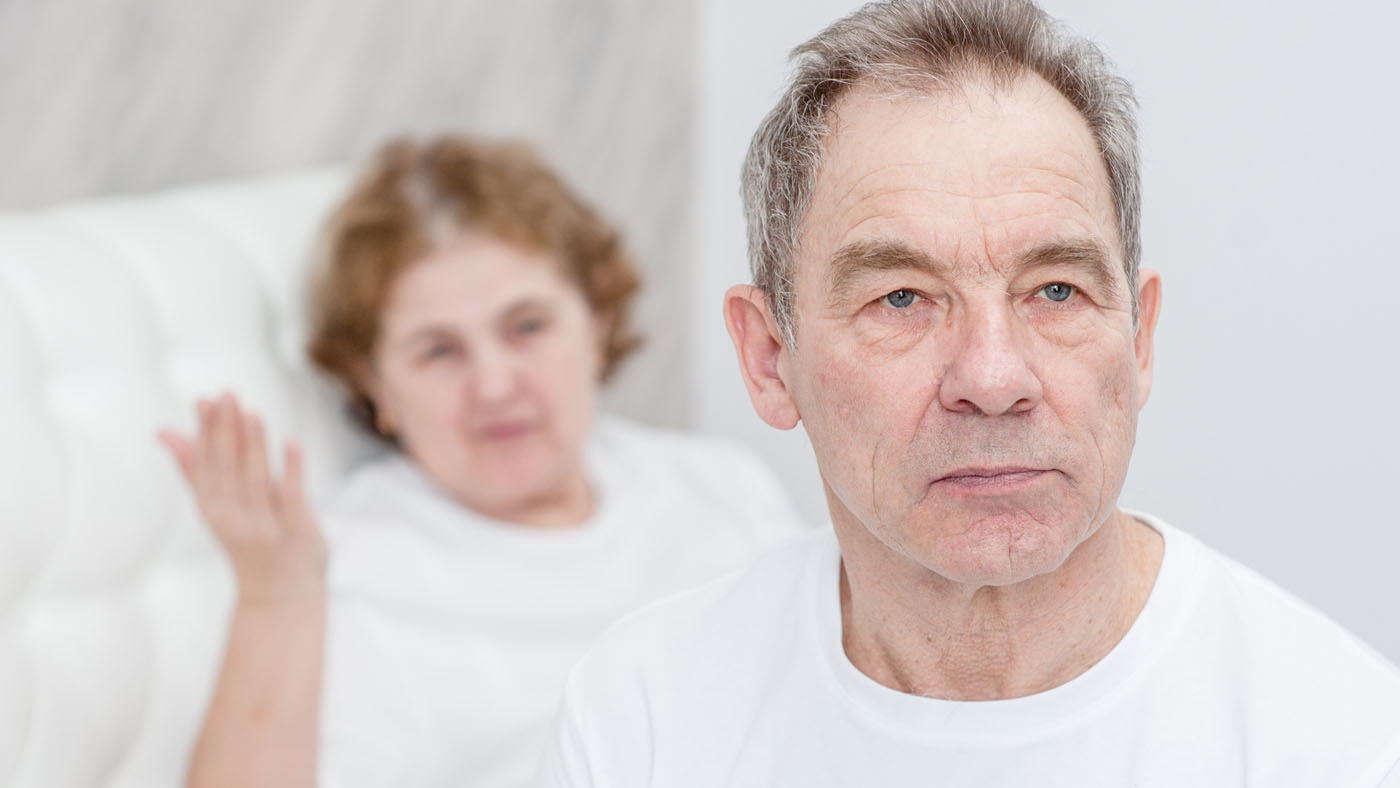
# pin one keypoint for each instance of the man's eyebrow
(1087, 255)
(859, 257)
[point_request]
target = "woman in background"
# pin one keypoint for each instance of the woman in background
(471, 305)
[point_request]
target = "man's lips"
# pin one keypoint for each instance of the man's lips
(1003, 478)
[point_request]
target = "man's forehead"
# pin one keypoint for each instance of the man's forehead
(982, 132)
(1013, 160)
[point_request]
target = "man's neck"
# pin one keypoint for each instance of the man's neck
(916, 632)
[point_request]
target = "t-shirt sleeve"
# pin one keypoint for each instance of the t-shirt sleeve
(1391, 779)
(602, 736)
(566, 756)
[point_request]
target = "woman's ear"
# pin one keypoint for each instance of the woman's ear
(367, 377)
(760, 347)
(600, 324)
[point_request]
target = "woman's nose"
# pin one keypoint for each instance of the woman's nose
(495, 375)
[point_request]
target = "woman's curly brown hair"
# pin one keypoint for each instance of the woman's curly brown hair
(414, 196)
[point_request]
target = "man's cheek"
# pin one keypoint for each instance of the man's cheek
(844, 391)
(827, 399)
(1119, 387)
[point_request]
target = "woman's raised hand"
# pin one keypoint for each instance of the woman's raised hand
(264, 524)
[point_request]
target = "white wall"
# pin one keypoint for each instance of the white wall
(1271, 169)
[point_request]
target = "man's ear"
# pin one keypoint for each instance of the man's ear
(1149, 307)
(759, 346)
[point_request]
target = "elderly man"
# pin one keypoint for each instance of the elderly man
(943, 218)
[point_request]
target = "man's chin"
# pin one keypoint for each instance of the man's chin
(993, 550)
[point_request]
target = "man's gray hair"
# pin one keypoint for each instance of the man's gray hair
(902, 44)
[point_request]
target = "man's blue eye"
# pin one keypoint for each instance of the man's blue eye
(1058, 291)
(900, 299)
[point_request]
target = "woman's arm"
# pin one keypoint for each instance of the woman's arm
(261, 727)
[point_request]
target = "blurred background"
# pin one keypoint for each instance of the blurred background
(1270, 174)
(132, 96)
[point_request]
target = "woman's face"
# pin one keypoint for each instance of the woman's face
(486, 368)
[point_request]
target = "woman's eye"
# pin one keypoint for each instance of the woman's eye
(437, 351)
(1057, 291)
(526, 327)
(900, 299)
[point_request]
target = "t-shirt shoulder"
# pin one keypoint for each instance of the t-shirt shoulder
(732, 608)
(1272, 614)
(666, 651)
(1300, 666)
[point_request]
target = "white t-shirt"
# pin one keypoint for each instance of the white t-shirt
(450, 635)
(1223, 680)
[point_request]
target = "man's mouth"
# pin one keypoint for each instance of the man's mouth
(991, 479)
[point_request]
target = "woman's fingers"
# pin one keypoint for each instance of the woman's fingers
(255, 488)
(263, 522)
(204, 447)
(182, 449)
(227, 471)
(228, 465)
(292, 502)
(296, 515)
(225, 464)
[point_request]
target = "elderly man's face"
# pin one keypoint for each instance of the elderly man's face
(967, 365)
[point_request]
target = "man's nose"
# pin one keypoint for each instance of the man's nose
(990, 372)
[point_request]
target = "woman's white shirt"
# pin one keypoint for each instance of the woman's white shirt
(450, 635)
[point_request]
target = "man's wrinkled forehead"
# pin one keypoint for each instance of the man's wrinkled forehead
(956, 94)
(974, 151)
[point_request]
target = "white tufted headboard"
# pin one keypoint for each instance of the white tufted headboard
(114, 316)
